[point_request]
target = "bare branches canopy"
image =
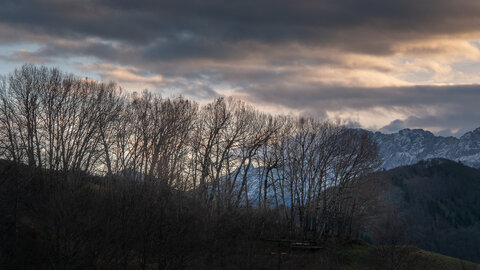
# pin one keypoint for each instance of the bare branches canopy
(226, 152)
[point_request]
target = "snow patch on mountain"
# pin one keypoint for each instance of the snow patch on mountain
(409, 146)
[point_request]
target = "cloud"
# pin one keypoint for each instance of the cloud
(364, 61)
(394, 126)
(433, 107)
(135, 79)
(187, 27)
(125, 75)
(22, 55)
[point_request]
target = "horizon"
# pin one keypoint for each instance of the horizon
(379, 65)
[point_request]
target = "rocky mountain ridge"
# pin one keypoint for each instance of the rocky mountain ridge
(409, 146)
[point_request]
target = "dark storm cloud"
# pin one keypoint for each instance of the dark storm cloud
(207, 28)
(339, 97)
(263, 49)
(455, 108)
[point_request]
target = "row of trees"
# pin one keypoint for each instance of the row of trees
(226, 153)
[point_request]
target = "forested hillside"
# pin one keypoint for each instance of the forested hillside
(437, 203)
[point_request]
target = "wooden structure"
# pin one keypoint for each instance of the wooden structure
(285, 245)
(304, 245)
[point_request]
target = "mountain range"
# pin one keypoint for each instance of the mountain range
(409, 146)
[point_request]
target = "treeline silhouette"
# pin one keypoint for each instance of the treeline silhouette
(98, 177)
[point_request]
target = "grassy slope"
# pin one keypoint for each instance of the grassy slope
(353, 256)
(362, 256)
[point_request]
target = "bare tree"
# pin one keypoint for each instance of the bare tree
(226, 152)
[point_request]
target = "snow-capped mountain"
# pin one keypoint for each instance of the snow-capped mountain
(408, 146)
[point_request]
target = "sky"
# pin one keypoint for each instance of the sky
(378, 64)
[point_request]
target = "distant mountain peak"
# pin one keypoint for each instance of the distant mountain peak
(472, 134)
(409, 146)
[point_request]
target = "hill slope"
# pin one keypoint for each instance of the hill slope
(438, 201)
(59, 220)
